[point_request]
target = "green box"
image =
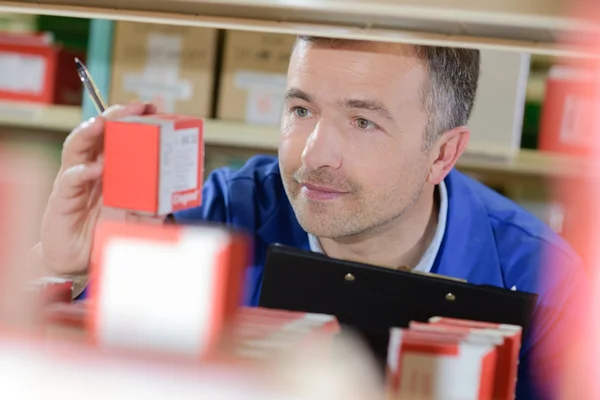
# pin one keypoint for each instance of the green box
(72, 33)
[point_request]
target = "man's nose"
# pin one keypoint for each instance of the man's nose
(323, 147)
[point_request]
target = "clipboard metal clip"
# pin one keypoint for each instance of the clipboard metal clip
(430, 274)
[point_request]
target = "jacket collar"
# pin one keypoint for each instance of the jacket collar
(468, 250)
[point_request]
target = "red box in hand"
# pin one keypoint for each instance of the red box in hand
(154, 164)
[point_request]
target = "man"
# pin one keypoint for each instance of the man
(370, 135)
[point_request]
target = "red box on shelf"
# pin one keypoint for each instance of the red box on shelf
(566, 112)
(33, 69)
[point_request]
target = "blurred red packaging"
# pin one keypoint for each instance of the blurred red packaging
(25, 181)
(567, 110)
(440, 365)
(165, 288)
(262, 334)
(508, 347)
(34, 69)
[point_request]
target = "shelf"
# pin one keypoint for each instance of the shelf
(240, 135)
(532, 26)
(34, 116)
(525, 164)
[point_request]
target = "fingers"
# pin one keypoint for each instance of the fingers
(158, 101)
(76, 179)
(85, 142)
(81, 142)
(125, 110)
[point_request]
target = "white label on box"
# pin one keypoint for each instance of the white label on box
(265, 100)
(159, 295)
(160, 80)
(439, 376)
(572, 127)
(179, 162)
(22, 73)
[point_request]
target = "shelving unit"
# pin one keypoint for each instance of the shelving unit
(36, 116)
(531, 26)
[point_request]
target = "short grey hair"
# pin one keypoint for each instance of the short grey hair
(449, 95)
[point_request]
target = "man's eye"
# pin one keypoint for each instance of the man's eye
(301, 112)
(365, 124)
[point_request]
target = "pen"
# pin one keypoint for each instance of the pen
(90, 87)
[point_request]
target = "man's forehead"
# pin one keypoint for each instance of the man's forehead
(358, 75)
(356, 45)
(356, 63)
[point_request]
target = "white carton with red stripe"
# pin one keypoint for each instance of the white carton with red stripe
(508, 349)
(164, 288)
(261, 333)
(432, 366)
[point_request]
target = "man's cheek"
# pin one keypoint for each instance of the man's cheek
(290, 154)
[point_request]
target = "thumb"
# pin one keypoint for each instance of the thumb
(159, 103)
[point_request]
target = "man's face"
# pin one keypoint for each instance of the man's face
(351, 151)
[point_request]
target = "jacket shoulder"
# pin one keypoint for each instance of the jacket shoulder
(256, 169)
(533, 258)
(524, 243)
(234, 196)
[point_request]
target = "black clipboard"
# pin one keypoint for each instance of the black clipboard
(370, 300)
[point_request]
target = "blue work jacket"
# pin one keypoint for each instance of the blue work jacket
(488, 240)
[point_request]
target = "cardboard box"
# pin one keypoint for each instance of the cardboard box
(153, 164)
(164, 289)
(496, 121)
(171, 65)
(253, 76)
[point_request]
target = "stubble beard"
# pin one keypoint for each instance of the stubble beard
(324, 221)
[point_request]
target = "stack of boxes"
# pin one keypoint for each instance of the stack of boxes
(450, 358)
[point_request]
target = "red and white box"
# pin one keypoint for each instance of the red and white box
(263, 334)
(567, 110)
(432, 366)
(33, 69)
(253, 323)
(508, 350)
(51, 290)
(164, 289)
(274, 319)
(153, 164)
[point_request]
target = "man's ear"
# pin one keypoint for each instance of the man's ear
(445, 152)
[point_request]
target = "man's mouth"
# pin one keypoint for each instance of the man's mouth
(320, 192)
